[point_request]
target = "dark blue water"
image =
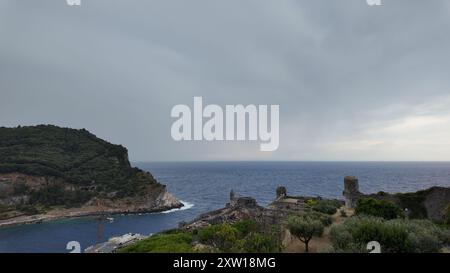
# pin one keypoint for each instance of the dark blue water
(207, 187)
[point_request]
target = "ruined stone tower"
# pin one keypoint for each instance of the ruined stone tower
(351, 191)
(232, 195)
(281, 192)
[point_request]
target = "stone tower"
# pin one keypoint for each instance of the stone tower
(232, 198)
(232, 195)
(351, 191)
(281, 192)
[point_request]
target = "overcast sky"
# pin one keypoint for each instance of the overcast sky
(353, 82)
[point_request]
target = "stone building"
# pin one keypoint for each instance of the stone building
(244, 201)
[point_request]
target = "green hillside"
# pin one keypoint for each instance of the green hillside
(76, 165)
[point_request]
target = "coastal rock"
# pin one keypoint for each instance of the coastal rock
(166, 199)
(115, 243)
(239, 208)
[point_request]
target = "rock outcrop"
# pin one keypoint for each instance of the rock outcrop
(115, 243)
(237, 209)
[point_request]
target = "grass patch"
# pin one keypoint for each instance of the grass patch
(173, 242)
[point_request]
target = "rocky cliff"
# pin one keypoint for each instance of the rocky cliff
(48, 171)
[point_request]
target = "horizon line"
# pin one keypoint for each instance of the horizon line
(292, 161)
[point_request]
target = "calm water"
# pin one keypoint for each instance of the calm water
(207, 185)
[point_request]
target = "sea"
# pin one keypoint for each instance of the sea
(205, 186)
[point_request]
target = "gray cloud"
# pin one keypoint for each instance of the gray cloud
(353, 82)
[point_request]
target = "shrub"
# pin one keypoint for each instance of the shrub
(327, 206)
(323, 218)
(4, 208)
(243, 236)
(223, 236)
(414, 202)
(444, 236)
(55, 194)
(424, 236)
(259, 243)
(27, 209)
(246, 227)
(341, 239)
(378, 208)
(395, 236)
(311, 202)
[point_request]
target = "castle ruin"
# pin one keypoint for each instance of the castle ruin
(351, 191)
(243, 201)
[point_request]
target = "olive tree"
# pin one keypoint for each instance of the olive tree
(304, 228)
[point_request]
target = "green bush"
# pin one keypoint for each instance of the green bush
(222, 237)
(425, 236)
(259, 243)
(243, 236)
(325, 219)
(395, 236)
(56, 195)
(326, 206)
(28, 210)
(414, 202)
(342, 239)
(444, 236)
(176, 242)
(311, 202)
(246, 227)
(378, 208)
(4, 208)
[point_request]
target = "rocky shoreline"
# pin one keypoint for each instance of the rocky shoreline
(164, 202)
